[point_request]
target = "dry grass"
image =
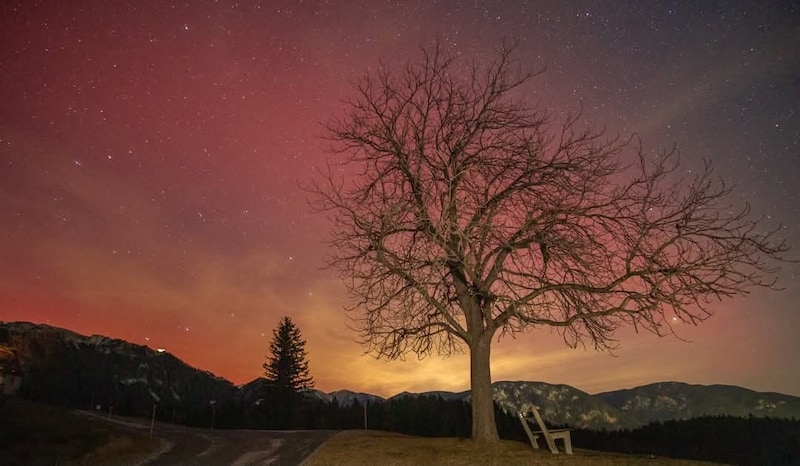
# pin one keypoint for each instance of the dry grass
(34, 434)
(366, 448)
(121, 449)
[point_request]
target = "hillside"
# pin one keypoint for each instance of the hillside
(64, 368)
(675, 400)
(32, 434)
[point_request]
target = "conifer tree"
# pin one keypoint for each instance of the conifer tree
(287, 365)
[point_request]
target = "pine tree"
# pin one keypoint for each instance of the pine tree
(287, 366)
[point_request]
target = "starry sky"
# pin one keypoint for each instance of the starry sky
(151, 154)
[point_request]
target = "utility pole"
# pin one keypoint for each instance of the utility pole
(153, 419)
(213, 404)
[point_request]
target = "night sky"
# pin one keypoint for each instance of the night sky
(151, 153)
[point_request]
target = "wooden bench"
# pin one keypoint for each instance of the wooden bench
(550, 436)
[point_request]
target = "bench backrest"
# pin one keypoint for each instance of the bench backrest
(548, 437)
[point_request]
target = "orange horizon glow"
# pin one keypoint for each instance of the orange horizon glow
(337, 361)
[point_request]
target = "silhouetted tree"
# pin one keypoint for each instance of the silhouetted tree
(287, 364)
(287, 372)
(470, 213)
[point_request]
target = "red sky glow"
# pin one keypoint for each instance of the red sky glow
(151, 154)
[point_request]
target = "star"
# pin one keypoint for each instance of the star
(153, 164)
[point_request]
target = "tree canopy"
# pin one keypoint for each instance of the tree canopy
(460, 211)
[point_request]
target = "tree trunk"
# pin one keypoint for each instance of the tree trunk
(484, 428)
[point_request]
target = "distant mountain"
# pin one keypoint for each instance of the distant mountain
(630, 408)
(346, 397)
(251, 391)
(465, 395)
(64, 368)
(445, 395)
(675, 400)
(560, 404)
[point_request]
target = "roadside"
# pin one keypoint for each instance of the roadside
(35, 434)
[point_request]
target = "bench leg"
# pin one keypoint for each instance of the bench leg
(568, 445)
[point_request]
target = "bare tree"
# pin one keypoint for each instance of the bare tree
(460, 213)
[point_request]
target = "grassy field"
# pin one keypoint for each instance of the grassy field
(365, 448)
(34, 434)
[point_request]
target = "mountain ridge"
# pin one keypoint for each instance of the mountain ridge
(113, 371)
